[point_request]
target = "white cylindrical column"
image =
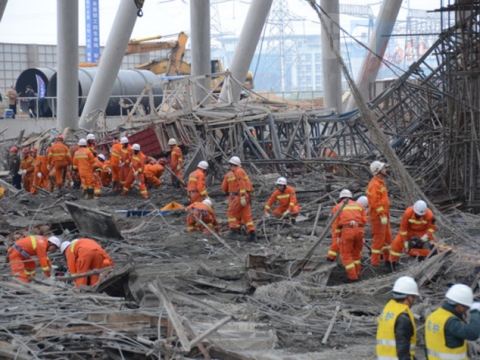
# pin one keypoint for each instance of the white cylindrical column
(245, 49)
(110, 63)
(67, 73)
(200, 35)
(332, 80)
(378, 44)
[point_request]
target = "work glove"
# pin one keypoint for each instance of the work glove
(243, 201)
(285, 214)
(98, 169)
(353, 223)
(71, 183)
(135, 173)
(406, 246)
(109, 171)
(39, 175)
(475, 306)
(266, 215)
(383, 220)
(121, 163)
(425, 238)
(179, 167)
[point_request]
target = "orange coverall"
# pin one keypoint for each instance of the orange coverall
(196, 188)
(127, 153)
(153, 172)
(115, 158)
(97, 173)
(379, 205)
(204, 213)
(334, 247)
(287, 200)
(20, 257)
(75, 177)
(348, 228)
(84, 255)
(40, 167)
(239, 185)
(106, 174)
(27, 163)
(84, 162)
(176, 162)
(411, 225)
(59, 158)
(137, 166)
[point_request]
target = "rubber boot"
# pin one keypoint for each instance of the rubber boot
(87, 194)
(233, 234)
(252, 237)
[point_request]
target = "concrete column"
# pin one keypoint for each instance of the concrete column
(332, 80)
(200, 41)
(378, 44)
(110, 63)
(3, 5)
(67, 74)
(247, 43)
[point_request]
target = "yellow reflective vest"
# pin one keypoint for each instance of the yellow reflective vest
(435, 338)
(386, 344)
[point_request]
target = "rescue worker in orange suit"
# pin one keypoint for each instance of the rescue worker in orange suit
(115, 159)
(136, 174)
(348, 228)
(75, 177)
(288, 204)
(40, 171)
(176, 162)
(196, 187)
(203, 211)
(84, 255)
(230, 188)
(84, 163)
(379, 204)
(328, 153)
(124, 163)
(153, 172)
(26, 169)
(396, 332)
(418, 221)
(59, 159)
(239, 210)
(106, 174)
(446, 329)
(20, 256)
(334, 249)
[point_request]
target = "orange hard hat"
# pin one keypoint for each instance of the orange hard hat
(14, 149)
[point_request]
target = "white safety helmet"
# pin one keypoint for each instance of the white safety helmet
(82, 142)
(90, 137)
(235, 160)
(101, 156)
(55, 241)
(406, 285)
(345, 193)
(203, 165)
(420, 207)
(64, 246)
(460, 294)
(376, 167)
(207, 202)
(172, 141)
(124, 140)
(363, 200)
(281, 181)
(136, 147)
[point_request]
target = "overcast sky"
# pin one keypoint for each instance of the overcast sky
(34, 21)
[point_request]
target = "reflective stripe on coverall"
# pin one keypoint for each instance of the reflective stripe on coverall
(204, 213)
(84, 162)
(236, 213)
(59, 158)
(196, 188)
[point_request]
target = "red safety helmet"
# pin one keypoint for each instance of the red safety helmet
(59, 137)
(14, 149)
(34, 150)
(26, 151)
(163, 161)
